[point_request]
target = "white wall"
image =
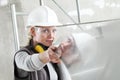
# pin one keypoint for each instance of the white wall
(7, 48)
(7, 45)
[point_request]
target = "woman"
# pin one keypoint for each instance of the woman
(39, 59)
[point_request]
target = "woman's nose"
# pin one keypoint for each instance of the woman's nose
(51, 34)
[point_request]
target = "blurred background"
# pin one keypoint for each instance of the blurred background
(100, 18)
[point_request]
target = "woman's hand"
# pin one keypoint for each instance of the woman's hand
(54, 54)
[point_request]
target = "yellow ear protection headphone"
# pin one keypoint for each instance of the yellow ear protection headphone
(39, 49)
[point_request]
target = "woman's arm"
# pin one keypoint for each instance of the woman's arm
(28, 62)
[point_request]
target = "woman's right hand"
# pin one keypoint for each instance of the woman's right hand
(44, 56)
(50, 55)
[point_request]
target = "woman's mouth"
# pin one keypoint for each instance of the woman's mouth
(49, 41)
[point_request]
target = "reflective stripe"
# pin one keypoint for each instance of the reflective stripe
(53, 74)
(36, 75)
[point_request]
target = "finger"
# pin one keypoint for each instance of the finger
(53, 47)
(53, 56)
(55, 60)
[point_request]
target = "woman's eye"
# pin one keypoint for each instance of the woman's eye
(54, 30)
(45, 31)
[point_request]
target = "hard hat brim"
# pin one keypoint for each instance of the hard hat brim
(43, 24)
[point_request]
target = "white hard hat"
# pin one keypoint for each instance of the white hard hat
(86, 45)
(42, 16)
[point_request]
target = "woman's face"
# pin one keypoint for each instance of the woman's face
(44, 35)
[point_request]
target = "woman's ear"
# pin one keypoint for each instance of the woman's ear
(32, 31)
